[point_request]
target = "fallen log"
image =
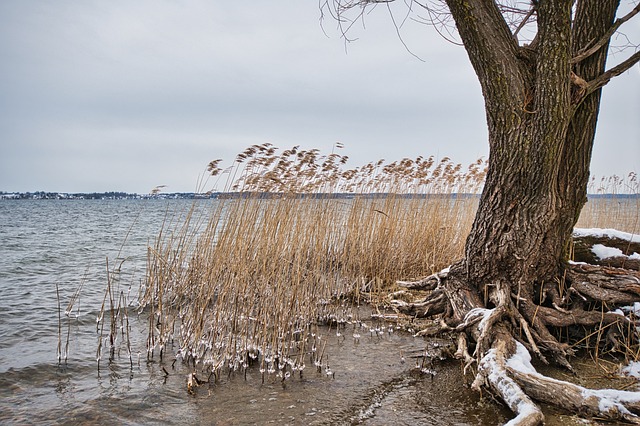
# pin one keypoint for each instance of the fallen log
(607, 247)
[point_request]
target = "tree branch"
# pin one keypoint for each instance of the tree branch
(524, 22)
(596, 45)
(493, 51)
(605, 77)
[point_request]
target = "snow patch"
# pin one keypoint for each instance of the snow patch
(499, 378)
(611, 400)
(603, 252)
(476, 313)
(521, 360)
(512, 394)
(635, 309)
(606, 232)
(632, 370)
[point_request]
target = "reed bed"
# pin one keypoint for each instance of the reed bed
(296, 240)
(614, 203)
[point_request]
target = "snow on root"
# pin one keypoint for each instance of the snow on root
(610, 402)
(603, 252)
(606, 232)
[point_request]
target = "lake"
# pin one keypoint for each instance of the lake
(53, 249)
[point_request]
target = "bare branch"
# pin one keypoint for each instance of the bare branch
(395, 25)
(605, 77)
(596, 45)
(524, 22)
(440, 19)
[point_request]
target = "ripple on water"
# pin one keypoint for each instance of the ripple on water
(62, 242)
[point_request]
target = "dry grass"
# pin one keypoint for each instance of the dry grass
(607, 209)
(300, 240)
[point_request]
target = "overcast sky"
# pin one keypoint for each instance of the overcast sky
(127, 95)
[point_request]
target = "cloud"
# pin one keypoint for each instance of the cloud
(156, 89)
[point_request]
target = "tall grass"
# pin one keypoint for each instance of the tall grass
(297, 239)
(606, 208)
(297, 236)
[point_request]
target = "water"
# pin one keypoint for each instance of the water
(64, 244)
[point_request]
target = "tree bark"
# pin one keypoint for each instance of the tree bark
(541, 121)
(540, 134)
(514, 284)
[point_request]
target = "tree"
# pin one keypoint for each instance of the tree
(541, 100)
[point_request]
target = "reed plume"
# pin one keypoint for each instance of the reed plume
(297, 239)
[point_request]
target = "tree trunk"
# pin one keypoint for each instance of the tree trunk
(514, 285)
(541, 125)
(540, 133)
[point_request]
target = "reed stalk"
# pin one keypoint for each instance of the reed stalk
(296, 239)
(606, 208)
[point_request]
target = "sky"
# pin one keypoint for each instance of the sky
(117, 95)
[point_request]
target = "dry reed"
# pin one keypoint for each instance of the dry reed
(296, 239)
(614, 203)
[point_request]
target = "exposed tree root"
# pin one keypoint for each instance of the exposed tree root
(605, 403)
(583, 244)
(602, 283)
(492, 372)
(435, 304)
(498, 330)
(428, 283)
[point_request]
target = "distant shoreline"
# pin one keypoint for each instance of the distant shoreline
(41, 195)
